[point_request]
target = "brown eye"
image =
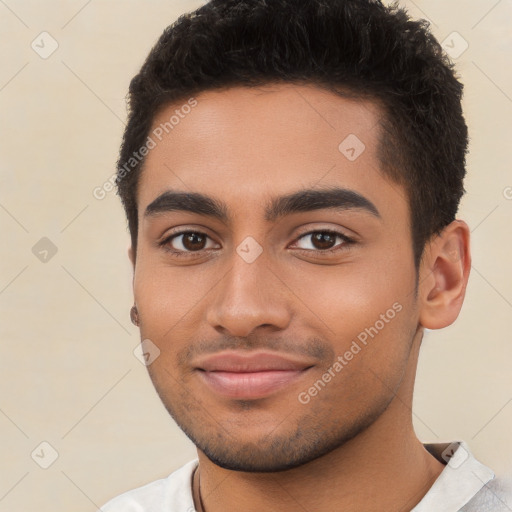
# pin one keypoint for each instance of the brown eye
(193, 241)
(323, 241)
(187, 242)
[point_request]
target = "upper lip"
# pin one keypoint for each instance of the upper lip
(247, 362)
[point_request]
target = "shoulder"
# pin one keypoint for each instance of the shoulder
(171, 493)
(495, 496)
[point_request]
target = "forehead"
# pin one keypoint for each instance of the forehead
(250, 144)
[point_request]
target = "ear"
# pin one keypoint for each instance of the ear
(444, 274)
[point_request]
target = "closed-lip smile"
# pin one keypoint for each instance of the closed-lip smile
(249, 375)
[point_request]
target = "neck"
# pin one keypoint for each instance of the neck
(385, 467)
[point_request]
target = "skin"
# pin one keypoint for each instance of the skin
(352, 447)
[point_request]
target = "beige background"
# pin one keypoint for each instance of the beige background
(68, 373)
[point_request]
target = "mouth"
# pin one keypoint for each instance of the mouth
(246, 376)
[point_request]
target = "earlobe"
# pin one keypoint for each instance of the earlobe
(444, 276)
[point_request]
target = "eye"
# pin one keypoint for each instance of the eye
(324, 241)
(186, 242)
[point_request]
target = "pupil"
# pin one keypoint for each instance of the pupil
(190, 241)
(323, 240)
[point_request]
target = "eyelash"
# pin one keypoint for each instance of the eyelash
(347, 241)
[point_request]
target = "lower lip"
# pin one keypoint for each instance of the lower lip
(249, 385)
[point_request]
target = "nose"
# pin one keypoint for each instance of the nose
(249, 296)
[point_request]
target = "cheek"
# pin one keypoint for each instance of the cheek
(342, 301)
(372, 350)
(167, 299)
(369, 317)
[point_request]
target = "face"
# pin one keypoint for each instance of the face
(274, 274)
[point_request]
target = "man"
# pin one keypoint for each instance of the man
(291, 173)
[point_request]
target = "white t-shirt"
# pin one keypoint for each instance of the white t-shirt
(464, 485)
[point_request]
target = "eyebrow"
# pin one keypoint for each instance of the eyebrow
(305, 200)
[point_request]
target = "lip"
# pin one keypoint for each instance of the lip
(250, 375)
